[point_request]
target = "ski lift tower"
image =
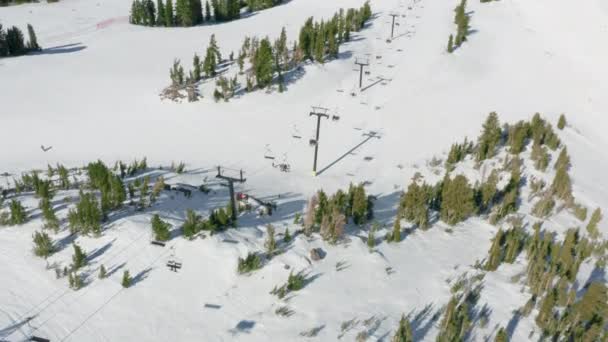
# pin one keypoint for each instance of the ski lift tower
(361, 62)
(319, 112)
(231, 181)
(394, 15)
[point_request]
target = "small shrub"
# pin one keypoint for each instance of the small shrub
(43, 245)
(251, 263)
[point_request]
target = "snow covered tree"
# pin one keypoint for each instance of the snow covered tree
(126, 279)
(404, 331)
(79, 258)
(102, 272)
(43, 245)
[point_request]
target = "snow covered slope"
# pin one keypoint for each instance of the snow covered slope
(93, 93)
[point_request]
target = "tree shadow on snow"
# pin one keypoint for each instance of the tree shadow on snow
(139, 277)
(5, 332)
(244, 326)
(68, 48)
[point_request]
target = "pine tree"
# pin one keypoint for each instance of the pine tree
(490, 137)
(176, 73)
(79, 258)
(306, 39)
(270, 244)
(404, 332)
(126, 279)
(592, 228)
(87, 216)
(495, 253)
(396, 234)
(561, 123)
(489, 191)
(160, 229)
(33, 42)
(43, 245)
(102, 272)
(3, 43)
(457, 200)
(169, 14)
(15, 41)
(161, 15)
(18, 214)
(451, 44)
(501, 335)
(320, 39)
(562, 185)
(371, 237)
(540, 156)
(414, 205)
(48, 214)
(207, 11)
(563, 161)
(263, 65)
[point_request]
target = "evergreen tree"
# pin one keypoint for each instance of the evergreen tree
(263, 66)
(86, 218)
(451, 44)
(540, 156)
(169, 14)
(561, 123)
(270, 244)
(192, 225)
(563, 161)
(183, 13)
(396, 234)
(307, 33)
(161, 15)
(404, 332)
(592, 228)
(501, 335)
(414, 205)
(359, 204)
(3, 43)
(43, 245)
(18, 214)
(518, 135)
(371, 237)
(15, 41)
(126, 279)
(320, 39)
(197, 72)
(562, 185)
(287, 237)
(495, 253)
(457, 200)
(48, 214)
(79, 258)
(160, 229)
(177, 71)
(207, 11)
(102, 272)
(489, 190)
(33, 42)
(490, 137)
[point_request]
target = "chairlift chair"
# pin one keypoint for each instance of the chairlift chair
(312, 142)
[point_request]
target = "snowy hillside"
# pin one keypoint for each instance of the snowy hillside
(92, 94)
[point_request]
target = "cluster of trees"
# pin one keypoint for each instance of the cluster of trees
(160, 229)
(15, 216)
(551, 272)
(455, 198)
(249, 264)
(218, 220)
(191, 12)
(461, 19)
(87, 216)
(318, 42)
(113, 193)
(459, 315)
(329, 215)
(12, 41)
